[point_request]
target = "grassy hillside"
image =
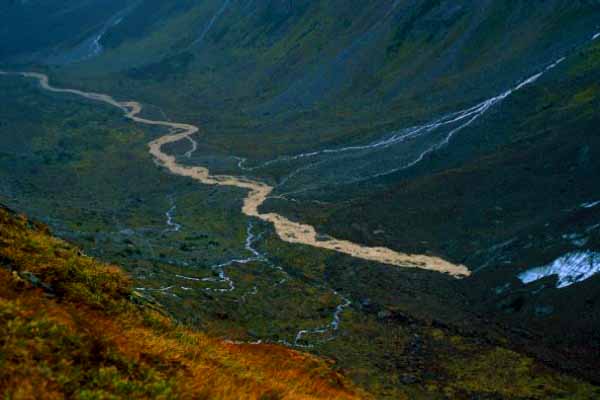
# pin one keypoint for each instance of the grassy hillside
(73, 327)
(273, 77)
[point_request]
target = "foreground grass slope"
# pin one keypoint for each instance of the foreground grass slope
(71, 326)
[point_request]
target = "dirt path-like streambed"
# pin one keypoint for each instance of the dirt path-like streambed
(258, 192)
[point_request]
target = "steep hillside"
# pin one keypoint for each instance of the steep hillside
(33, 29)
(272, 77)
(73, 327)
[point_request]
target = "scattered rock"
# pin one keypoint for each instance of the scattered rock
(408, 379)
(323, 238)
(35, 281)
(384, 314)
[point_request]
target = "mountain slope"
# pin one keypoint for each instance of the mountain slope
(512, 192)
(71, 326)
(280, 77)
(33, 29)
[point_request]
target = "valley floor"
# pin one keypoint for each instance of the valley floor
(381, 346)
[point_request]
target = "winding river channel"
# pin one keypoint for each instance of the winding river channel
(258, 192)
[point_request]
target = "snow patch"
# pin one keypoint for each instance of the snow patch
(591, 204)
(571, 268)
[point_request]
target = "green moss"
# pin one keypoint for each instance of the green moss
(510, 375)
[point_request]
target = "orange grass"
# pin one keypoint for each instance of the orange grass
(69, 328)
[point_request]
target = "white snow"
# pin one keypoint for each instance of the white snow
(571, 268)
(591, 204)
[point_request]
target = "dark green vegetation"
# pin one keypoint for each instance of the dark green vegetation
(276, 77)
(267, 78)
(507, 195)
(36, 29)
